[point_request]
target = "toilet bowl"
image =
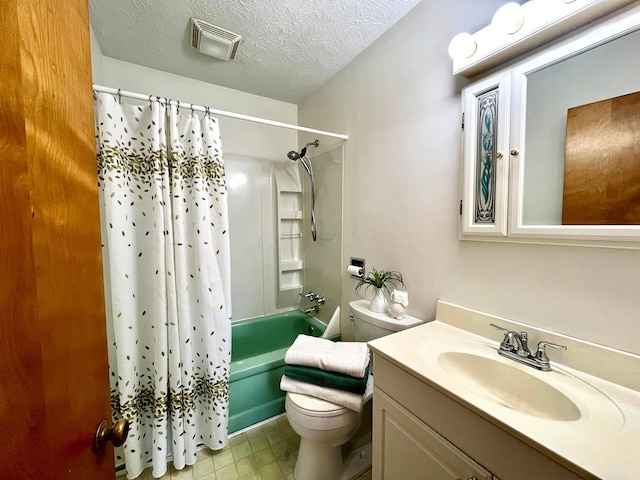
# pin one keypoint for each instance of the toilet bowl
(324, 427)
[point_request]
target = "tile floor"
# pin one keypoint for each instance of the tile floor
(268, 452)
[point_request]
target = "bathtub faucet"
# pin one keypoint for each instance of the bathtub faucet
(313, 309)
(314, 297)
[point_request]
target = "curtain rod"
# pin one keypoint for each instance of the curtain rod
(200, 108)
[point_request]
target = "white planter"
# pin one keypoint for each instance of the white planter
(379, 303)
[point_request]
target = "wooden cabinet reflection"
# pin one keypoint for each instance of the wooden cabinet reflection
(602, 163)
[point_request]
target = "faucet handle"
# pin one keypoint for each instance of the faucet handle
(498, 327)
(309, 295)
(509, 341)
(541, 354)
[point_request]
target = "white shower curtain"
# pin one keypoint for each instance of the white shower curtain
(167, 279)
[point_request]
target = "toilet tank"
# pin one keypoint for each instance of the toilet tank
(368, 325)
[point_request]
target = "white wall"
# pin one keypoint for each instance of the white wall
(250, 150)
(400, 106)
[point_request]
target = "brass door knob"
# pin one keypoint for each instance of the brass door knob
(117, 434)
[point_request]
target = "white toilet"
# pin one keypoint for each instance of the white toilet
(324, 426)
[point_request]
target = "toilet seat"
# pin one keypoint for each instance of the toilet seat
(315, 407)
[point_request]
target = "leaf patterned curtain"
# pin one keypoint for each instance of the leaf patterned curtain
(167, 279)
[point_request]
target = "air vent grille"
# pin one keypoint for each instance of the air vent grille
(214, 41)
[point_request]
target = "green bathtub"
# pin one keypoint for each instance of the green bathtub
(257, 364)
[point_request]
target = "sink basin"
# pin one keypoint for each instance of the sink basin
(508, 386)
(473, 370)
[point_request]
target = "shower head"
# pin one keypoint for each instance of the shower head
(295, 155)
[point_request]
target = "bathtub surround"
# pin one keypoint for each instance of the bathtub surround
(165, 231)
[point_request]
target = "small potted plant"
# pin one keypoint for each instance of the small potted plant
(379, 281)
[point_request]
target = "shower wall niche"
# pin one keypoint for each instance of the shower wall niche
(289, 201)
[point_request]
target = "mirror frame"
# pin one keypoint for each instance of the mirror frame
(616, 26)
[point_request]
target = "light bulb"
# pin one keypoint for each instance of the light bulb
(508, 18)
(462, 46)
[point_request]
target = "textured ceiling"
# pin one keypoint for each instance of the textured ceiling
(291, 47)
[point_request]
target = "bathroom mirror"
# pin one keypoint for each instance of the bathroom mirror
(607, 71)
(595, 65)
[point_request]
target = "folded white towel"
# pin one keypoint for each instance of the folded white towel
(352, 401)
(349, 358)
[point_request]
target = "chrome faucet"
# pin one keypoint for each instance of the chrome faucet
(309, 296)
(319, 298)
(313, 297)
(514, 346)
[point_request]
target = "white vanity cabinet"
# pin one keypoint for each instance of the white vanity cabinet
(407, 448)
(420, 433)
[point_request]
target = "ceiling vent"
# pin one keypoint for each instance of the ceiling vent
(214, 41)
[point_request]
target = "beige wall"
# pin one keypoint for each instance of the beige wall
(400, 105)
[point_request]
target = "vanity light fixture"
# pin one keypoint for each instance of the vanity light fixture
(462, 46)
(516, 29)
(509, 18)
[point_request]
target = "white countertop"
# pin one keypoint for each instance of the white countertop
(605, 441)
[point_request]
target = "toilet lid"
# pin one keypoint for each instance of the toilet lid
(315, 407)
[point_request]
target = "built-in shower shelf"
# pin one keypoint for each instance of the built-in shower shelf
(290, 266)
(291, 214)
(292, 288)
(290, 234)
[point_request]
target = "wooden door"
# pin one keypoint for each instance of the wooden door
(53, 355)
